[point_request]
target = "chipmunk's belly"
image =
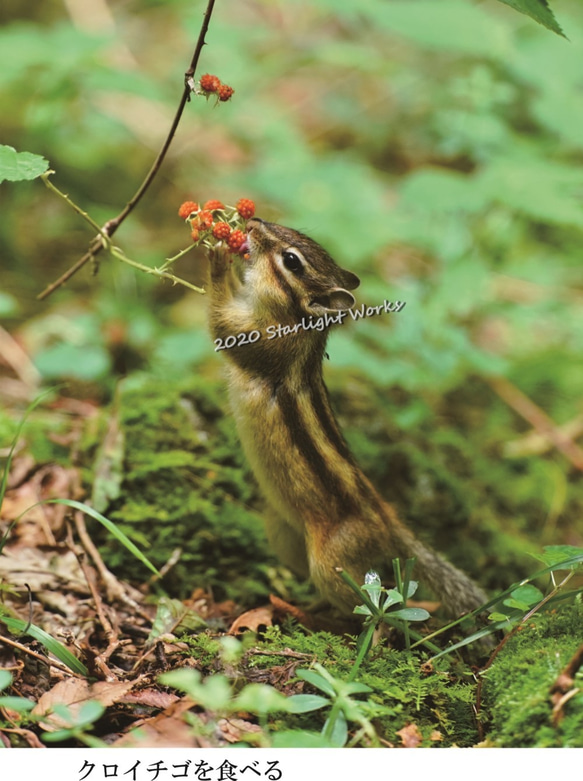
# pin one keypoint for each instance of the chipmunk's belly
(283, 471)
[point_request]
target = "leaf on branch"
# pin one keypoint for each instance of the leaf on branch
(538, 10)
(19, 166)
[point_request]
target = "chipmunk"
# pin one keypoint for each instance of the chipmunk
(327, 514)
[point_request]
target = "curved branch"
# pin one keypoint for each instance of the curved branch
(110, 227)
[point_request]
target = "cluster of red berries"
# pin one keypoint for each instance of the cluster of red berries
(216, 221)
(210, 84)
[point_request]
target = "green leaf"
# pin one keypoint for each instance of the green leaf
(339, 734)
(5, 679)
(516, 604)
(8, 305)
(20, 166)
(497, 617)
(410, 614)
(89, 712)
(19, 704)
(260, 698)
(528, 594)
(295, 738)
(353, 687)
(393, 598)
(373, 587)
(555, 554)
(53, 646)
(538, 10)
(303, 703)
(317, 681)
(110, 526)
(214, 693)
(172, 615)
(362, 610)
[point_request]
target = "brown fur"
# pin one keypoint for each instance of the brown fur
(326, 512)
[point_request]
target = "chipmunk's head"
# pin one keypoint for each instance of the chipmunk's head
(288, 274)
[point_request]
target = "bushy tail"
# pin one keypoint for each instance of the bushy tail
(456, 591)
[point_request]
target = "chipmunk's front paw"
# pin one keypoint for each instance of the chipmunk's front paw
(220, 259)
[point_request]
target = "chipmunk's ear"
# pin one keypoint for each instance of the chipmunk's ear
(349, 280)
(334, 300)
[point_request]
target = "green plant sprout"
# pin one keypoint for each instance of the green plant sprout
(218, 694)
(76, 724)
(520, 601)
(21, 705)
(386, 606)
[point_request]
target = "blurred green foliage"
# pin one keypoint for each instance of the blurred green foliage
(432, 147)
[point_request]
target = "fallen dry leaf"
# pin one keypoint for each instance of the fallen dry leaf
(150, 697)
(51, 569)
(165, 730)
(410, 736)
(252, 619)
(234, 730)
(74, 692)
(283, 608)
(40, 524)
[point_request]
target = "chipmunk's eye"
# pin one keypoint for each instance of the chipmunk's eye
(292, 262)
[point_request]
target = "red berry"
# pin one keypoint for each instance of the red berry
(236, 240)
(195, 235)
(187, 208)
(224, 92)
(205, 219)
(209, 83)
(211, 206)
(246, 208)
(221, 231)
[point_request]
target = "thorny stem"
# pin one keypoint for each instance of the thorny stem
(112, 225)
(116, 251)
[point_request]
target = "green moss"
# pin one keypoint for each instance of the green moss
(205, 649)
(184, 484)
(404, 691)
(517, 686)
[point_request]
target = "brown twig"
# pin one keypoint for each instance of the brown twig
(39, 657)
(539, 419)
(110, 227)
(115, 590)
(535, 444)
(563, 689)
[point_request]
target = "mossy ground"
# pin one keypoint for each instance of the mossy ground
(184, 483)
(517, 686)
(177, 479)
